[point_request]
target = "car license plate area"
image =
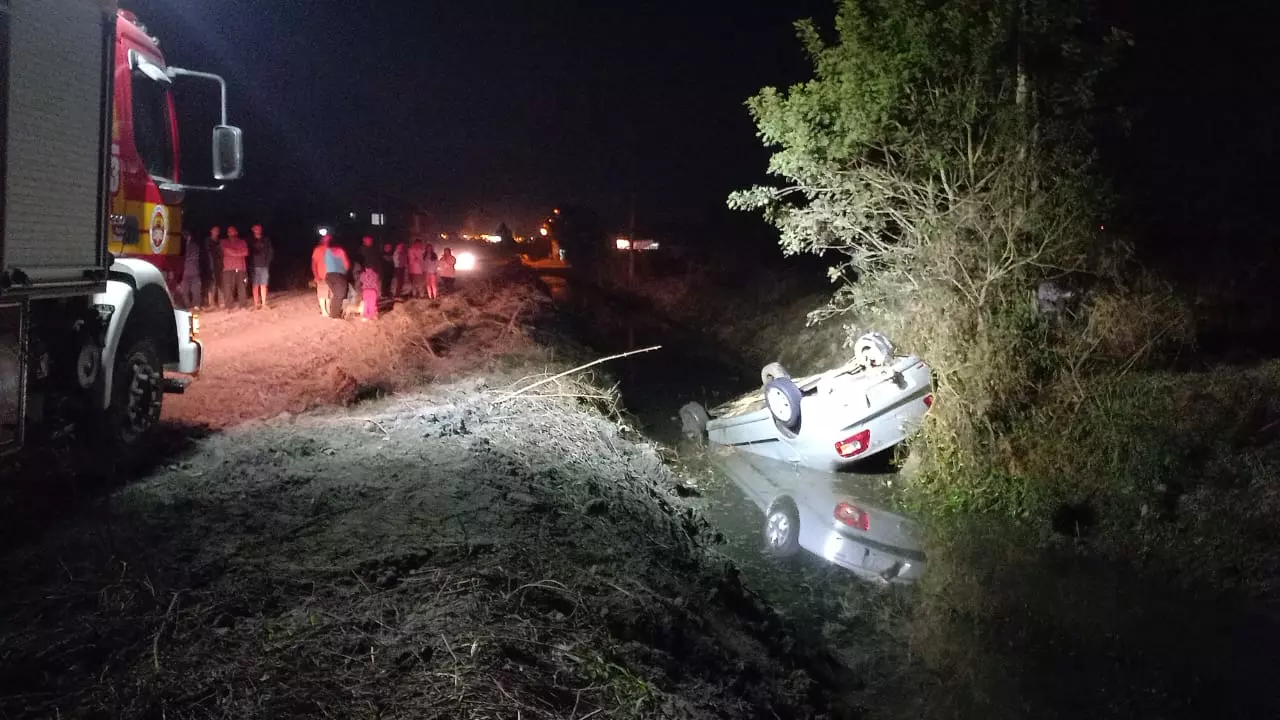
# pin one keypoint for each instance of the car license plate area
(885, 393)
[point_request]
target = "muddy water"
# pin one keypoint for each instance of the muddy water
(654, 386)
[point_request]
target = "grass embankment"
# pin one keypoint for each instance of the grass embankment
(1112, 553)
(445, 552)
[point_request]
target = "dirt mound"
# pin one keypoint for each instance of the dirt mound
(460, 554)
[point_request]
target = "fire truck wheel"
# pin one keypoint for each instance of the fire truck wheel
(137, 391)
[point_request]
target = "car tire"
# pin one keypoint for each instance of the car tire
(771, 372)
(782, 396)
(693, 422)
(137, 393)
(782, 529)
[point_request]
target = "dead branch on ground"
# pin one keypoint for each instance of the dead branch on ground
(580, 368)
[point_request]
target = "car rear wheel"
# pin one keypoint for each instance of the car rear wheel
(782, 530)
(782, 397)
(773, 371)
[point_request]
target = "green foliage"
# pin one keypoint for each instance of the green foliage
(942, 154)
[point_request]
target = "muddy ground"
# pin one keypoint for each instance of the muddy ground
(361, 520)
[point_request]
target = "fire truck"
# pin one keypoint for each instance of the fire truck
(90, 223)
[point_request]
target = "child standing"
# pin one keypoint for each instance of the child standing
(370, 283)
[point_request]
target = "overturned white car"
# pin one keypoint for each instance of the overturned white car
(783, 446)
(824, 421)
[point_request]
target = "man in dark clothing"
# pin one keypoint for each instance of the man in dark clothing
(213, 266)
(235, 263)
(386, 272)
(369, 255)
(191, 262)
(262, 253)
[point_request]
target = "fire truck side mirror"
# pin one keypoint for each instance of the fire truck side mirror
(228, 153)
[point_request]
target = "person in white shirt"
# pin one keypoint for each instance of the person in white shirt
(448, 269)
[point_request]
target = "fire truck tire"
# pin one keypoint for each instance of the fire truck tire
(137, 391)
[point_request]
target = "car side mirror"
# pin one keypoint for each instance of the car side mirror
(228, 153)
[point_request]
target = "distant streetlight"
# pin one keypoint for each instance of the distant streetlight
(543, 231)
(323, 232)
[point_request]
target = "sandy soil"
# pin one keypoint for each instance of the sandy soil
(446, 551)
(288, 358)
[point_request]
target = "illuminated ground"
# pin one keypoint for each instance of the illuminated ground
(446, 551)
(259, 364)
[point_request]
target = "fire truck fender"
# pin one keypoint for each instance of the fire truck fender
(138, 301)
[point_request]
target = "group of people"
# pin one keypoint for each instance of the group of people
(231, 267)
(414, 270)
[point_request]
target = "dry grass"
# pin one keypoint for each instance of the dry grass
(437, 554)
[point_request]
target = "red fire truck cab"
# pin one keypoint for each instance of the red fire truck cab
(146, 191)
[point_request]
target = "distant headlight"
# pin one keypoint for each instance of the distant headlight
(466, 261)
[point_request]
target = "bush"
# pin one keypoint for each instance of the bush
(942, 154)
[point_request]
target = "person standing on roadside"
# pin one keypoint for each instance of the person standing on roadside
(448, 269)
(386, 270)
(213, 266)
(336, 265)
(369, 255)
(192, 294)
(431, 269)
(370, 283)
(262, 253)
(318, 271)
(415, 268)
(235, 264)
(399, 268)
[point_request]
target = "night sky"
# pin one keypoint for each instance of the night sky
(490, 108)
(500, 109)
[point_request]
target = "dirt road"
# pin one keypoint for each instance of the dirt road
(447, 551)
(290, 359)
(261, 363)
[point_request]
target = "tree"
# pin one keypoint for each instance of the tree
(942, 153)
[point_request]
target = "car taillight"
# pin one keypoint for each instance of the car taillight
(855, 445)
(928, 401)
(853, 516)
(195, 326)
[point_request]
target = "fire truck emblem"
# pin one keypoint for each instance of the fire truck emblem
(159, 229)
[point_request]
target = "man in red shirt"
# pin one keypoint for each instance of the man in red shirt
(235, 259)
(318, 272)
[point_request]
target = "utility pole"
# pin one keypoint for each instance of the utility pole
(631, 246)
